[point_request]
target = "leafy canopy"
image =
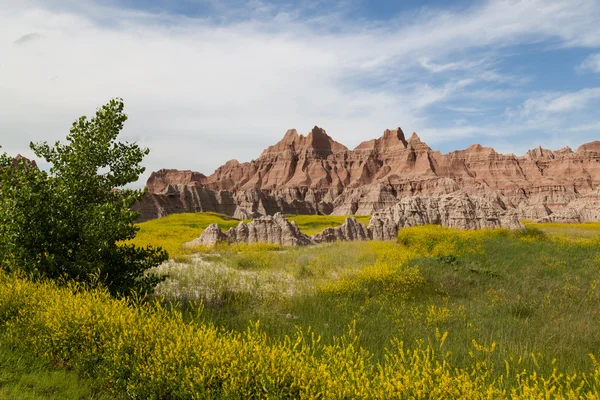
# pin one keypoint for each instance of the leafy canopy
(72, 221)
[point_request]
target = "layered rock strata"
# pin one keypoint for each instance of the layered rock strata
(315, 174)
(350, 230)
(586, 209)
(210, 236)
(274, 229)
(160, 180)
(455, 211)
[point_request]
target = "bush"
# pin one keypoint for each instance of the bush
(71, 221)
(149, 352)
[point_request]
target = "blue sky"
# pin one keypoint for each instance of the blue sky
(205, 81)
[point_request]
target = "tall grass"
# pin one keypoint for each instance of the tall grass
(482, 285)
(25, 377)
(438, 314)
(583, 230)
(148, 351)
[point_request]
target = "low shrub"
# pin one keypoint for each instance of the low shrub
(145, 350)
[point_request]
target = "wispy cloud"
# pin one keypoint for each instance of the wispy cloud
(451, 66)
(427, 95)
(595, 127)
(468, 110)
(590, 64)
(203, 89)
(558, 103)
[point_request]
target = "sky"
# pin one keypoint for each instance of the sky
(205, 81)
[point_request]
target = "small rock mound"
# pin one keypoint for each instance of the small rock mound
(209, 237)
(350, 230)
(270, 229)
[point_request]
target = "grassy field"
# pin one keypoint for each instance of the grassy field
(439, 313)
(311, 224)
(584, 230)
(25, 377)
(488, 286)
(173, 231)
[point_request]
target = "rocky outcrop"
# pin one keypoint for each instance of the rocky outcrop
(350, 230)
(454, 211)
(270, 229)
(187, 198)
(586, 209)
(159, 181)
(211, 236)
(315, 174)
(20, 160)
(364, 200)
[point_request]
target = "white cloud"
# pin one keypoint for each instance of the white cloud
(200, 92)
(451, 66)
(468, 110)
(590, 64)
(586, 128)
(427, 95)
(571, 101)
(553, 103)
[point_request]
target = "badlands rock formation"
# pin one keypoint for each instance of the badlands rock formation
(585, 209)
(350, 230)
(455, 211)
(19, 159)
(270, 229)
(315, 174)
(210, 236)
(159, 181)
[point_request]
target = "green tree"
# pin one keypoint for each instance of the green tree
(75, 220)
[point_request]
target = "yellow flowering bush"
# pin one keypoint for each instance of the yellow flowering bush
(146, 349)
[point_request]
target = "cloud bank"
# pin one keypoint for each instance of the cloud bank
(203, 89)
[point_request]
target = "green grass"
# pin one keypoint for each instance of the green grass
(583, 230)
(527, 293)
(510, 285)
(24, 377)
(172, 231)
(311, 224)
(512, 301)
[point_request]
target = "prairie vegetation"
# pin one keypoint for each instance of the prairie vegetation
(173, 231)
(439, 313)
(582, 230)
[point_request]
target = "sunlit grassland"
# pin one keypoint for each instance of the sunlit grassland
(439, 313)
(527, 293)
(25, 377)
(172, 231)
(311, 224)
(583, 230)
